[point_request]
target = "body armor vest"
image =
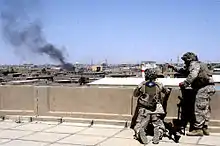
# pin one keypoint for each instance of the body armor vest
(203, 77)
(150, 95)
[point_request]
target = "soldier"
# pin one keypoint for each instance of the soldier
(149, 107)
(200, 79)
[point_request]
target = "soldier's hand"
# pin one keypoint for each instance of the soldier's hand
(140, 85)
(136, 92)
(182, 85)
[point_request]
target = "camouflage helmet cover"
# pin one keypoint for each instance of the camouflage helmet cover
(189, 56)
(150, 73)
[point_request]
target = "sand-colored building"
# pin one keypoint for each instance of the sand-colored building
(97, 68)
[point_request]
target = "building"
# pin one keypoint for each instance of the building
(97, 68)
(147, 64)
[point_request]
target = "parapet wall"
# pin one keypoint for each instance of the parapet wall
(80, 102)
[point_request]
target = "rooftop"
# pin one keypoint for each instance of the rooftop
(133, 81)
(78, 134)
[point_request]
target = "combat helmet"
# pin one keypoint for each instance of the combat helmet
(150, 74)
(189, 56)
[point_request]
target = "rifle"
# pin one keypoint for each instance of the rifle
(185, 110)
(179, 123)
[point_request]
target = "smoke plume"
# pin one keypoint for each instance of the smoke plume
(22, 31)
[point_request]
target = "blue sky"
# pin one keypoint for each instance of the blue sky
(127, 30)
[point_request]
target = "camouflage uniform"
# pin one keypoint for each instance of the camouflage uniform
(200, 79)
(147, 115)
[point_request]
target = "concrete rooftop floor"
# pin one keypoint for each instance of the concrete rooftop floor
(78, 134)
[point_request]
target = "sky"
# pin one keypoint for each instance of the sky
(126, 31)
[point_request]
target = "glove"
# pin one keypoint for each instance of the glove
(182, 85)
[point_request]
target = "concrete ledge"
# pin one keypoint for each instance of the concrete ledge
(18, 118)
(91, 115)
(214, 123)
(111, 104)
(21, 119)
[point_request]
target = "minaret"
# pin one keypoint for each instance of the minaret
(91, 61)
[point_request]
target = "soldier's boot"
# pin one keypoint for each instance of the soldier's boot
(198, 132)
(157, 136)
(205, 130)
(162, 132)
(136, 132)
(142, 136)
(177, 137)
(135, 136)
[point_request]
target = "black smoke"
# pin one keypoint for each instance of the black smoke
(22, 31)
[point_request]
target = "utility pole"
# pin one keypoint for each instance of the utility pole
(178, 60)
(91, 61)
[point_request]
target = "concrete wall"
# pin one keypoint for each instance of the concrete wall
(17, 100)
(79, 102)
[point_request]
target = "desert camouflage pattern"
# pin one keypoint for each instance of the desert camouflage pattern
(145, 116)
(200, 79)
(161, 89)
(198, 74)
(202, 106)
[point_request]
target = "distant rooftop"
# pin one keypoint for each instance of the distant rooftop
(147, 62)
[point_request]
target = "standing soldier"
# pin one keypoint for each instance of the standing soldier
(200, 79)
(149, 107)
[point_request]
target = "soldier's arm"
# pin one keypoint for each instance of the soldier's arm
(194, 69)
(180, 70)
(165, 90)
(137, 92)
(177, 69)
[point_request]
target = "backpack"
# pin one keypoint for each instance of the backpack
(150, 95)
(203, 77)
